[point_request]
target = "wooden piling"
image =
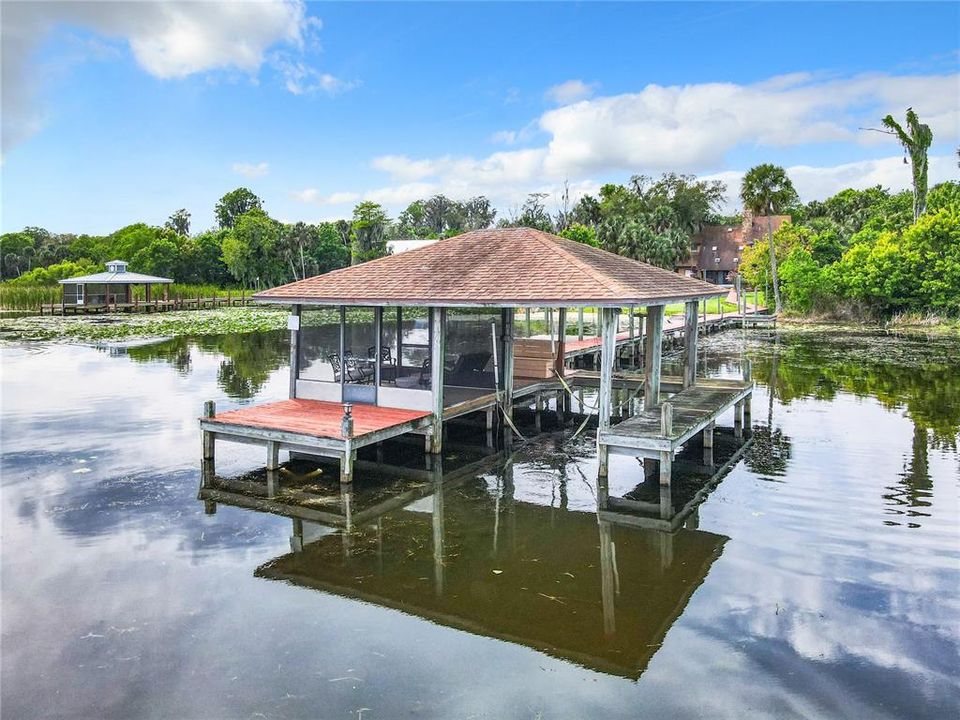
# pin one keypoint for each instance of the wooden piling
(209, 438)
(690, 345)
(652, 352)
(437, 347)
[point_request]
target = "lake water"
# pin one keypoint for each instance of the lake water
(819, 579)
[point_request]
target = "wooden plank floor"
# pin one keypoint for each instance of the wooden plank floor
(317, 418)
(690, 407)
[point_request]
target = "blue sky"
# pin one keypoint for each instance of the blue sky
(120, 112)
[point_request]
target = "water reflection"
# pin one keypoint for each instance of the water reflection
(916, 375)
(247, 362)
(455, 545)
(829, 593)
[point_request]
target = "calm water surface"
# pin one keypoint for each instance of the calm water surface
(819, 579)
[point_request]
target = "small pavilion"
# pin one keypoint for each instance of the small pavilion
(111, 288)
(408, 342)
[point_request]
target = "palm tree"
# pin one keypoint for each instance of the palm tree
(767, 190)
(916, 140)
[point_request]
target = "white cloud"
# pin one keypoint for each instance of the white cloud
(167, 39)
(692, 128)
(504, 137)
(312, 195)
(570, 91)
(301, 79)
(695, 126)
(250, 170)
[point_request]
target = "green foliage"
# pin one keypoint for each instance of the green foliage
(439, 216)
(15, 296)
(179, 222)
(162, 257)
(932, 248)
(582, 234)
(16, 249)
(943, 195)
(51, 275)
(250, 250)
(235, 203)
(653, 221)
(766, 190)
(803, 281)
(533, 214)
(368, 232)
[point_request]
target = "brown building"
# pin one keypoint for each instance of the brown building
(716, 251)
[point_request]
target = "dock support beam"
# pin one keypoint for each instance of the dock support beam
(437, 348)
(653, 341)
(294, 325)
(690, 345)
(738, 420)
(506, 324)
(561, 356)
(273, 455)
(608, 349)
(747, 419)
(209, 438)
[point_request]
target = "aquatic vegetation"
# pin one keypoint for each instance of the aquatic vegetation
(122, 326)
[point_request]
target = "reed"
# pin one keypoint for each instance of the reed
(27, 297)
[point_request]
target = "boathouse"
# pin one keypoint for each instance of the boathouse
(408, 342)
(111, 288)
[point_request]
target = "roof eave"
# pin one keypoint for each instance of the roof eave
(503, 302)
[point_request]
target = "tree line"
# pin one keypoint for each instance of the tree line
(860, 251)
(647, 220)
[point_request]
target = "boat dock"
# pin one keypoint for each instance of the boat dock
(456, 352)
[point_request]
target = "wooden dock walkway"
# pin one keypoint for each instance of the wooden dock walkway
(577, 348)
(149, 306)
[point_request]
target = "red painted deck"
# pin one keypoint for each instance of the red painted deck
(317, 418)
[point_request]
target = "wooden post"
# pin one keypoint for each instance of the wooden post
(437, 346)
(690, 345)
(209, 439)
(537, 408)
(608, 346)
(666, 419)
(294, 325)
(747, 419)
(580, 323)
(273, 455)
(506, 324)
(738, 420)
(653, 342)
(560, 360)
(399, 342)
(707, 436)
(529, 325)
(666, 491)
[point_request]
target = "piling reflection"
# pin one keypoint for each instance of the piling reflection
(458, 544)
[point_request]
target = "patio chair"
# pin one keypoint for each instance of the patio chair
(334, 360)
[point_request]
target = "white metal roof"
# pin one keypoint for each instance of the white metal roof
(119, 278)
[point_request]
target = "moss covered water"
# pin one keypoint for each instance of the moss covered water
(817, 580)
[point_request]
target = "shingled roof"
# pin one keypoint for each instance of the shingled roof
(503, 267)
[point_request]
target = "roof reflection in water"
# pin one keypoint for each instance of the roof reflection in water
(457, 544)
